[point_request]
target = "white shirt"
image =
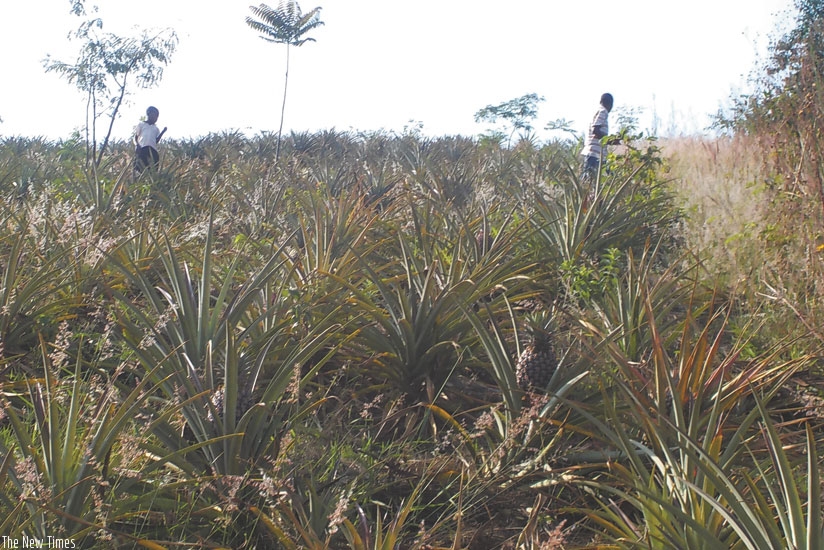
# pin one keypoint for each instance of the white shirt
(592, 146)
(147, 135)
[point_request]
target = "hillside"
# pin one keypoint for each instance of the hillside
(385, 341)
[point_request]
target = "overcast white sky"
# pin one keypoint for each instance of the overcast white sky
(379, 64)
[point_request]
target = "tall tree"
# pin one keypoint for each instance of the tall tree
(286, 24)
(104, 69)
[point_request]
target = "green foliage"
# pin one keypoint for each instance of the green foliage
(30, 291)
(683, 438)
(67, 433)
(286, 24)
(321, 352)
(517, 113)
(193, 336)
(578, 222)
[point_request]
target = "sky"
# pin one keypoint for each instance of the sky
(391, 65)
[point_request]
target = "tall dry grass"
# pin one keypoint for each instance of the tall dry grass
(753, 239)
(720, 185)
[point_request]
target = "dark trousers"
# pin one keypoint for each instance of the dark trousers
(590, 167)
(145, 157)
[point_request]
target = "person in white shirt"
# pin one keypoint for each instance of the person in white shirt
(593, 151)
(146, 137)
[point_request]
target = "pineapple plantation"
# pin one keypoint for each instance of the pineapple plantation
(386, 341)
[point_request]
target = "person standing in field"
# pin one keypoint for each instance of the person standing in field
(593, 151)
(146, 137)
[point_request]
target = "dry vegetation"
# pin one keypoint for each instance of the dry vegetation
(331, 350)
(720, 185)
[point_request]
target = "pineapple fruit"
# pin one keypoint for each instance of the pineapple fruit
(537, 362)
(245, 401)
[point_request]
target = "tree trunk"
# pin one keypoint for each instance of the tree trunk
(89, 100)
(105, 144)
(283, 105)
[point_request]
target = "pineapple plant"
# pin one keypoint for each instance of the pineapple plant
(537, 362)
